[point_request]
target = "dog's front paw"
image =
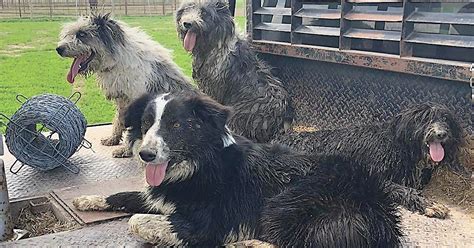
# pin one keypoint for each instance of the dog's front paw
(154, 228)
(90, 203)
(122, 152)
(437, 210)
(110, 141)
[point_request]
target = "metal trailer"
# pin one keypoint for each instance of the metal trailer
(360, 61)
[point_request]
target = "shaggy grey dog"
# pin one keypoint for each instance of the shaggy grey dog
(227, 69)
(127, 62)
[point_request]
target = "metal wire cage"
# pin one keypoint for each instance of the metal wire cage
(45, 132)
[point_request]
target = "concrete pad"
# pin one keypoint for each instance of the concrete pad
(109, 234)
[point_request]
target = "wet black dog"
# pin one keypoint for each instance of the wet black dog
(405, 150)
(209, 187)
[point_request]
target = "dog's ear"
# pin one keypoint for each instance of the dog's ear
(132, 115)
(110, 32)
(211, 111)
(222, 5)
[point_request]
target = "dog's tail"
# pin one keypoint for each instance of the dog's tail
(338, 205)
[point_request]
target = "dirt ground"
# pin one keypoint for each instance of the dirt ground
(42, 223)
(451, 189)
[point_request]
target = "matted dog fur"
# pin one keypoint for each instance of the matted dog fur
(127, 62)
(208, 187)
(226, 68)
(406, 150)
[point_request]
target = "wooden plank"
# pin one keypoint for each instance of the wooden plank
(317, 30)
(442, 18)
(441, 40)
(277, 27)
(437, 68)
(372, 34)
(328, 14)
(382, 16)
(273, 11)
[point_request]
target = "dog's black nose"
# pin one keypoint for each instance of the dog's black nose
(147, 155)
(187, 25)
(60, 50)
(441, 135)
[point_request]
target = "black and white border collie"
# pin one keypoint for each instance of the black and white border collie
(209, 187)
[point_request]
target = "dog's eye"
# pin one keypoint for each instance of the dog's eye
(81, 34)
(176, 125)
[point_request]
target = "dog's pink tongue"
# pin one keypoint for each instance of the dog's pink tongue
(189, 41)
(75, 68)
(436, 151)
(155, 173)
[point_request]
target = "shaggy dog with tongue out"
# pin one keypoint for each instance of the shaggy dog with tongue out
(208, 187)
(226, 68)
(406, 150)
(127, 62)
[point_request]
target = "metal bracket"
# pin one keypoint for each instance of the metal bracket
(471, 82)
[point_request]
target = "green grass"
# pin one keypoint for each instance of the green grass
(30, 66)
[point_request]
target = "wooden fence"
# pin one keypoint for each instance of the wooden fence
(66, 8)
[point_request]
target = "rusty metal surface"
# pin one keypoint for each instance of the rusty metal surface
(441, 39)
(105, 188)
(440, 18)
(273, 11)
(325, 31)
(94, 167)
(372, 34)
(450, 67)
(277, 27)
(330, 14)
(442, 69)
(382, 16)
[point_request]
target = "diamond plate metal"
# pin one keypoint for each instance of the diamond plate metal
(94, 167)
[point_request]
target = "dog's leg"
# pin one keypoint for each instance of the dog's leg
(117, 125)
(412, 200)
(131, 202)
(156, 229)
(127, 150)
(173, 230)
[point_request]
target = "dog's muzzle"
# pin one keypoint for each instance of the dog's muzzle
(60, 50)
